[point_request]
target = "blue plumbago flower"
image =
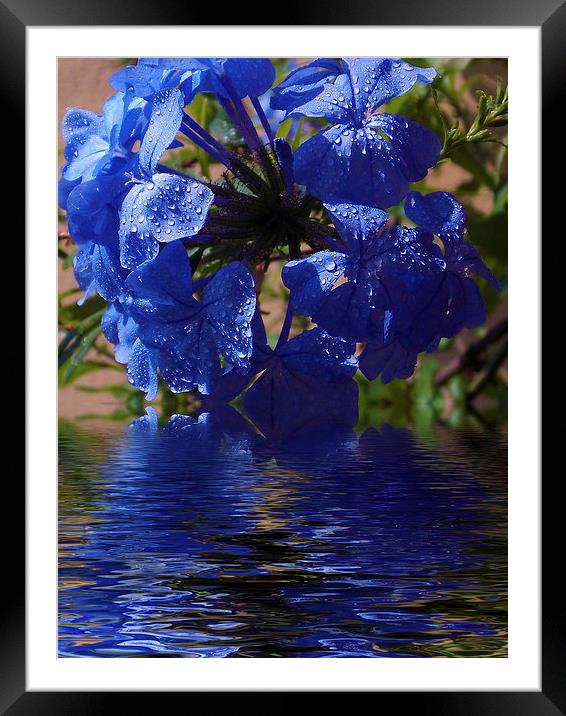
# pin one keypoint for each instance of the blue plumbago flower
(306, 380)
(122, 330)
(97, 268)
(92, 216)
(365, 156)
(95, 141)
(160, 206)
(192, 333)
(462, 303)
(381, 272)
(225, 76)
(173, 255)
(151, 75)
(455, 303)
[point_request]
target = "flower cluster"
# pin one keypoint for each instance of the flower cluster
(177, 257)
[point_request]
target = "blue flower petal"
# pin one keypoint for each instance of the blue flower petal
(143, 80)
(86, 154)
(354, 310)
(195, 362)
(466, 308)
(64, 189)
(464, 258)
(164, 123)
(109, 275)
(364, 166)
(305, 83)
(415, 148)
(421, 314)
(162, 288)
(165, 208)
(318, 354)
(83, 270)
(97, 268)
(439, 213)
(376, 80)
(225, 76)
(78, 122)
(249, 75)
(357, 224)
(310, 279)
(229, 300)
(96, 142)
(109, 323)
(335, 103)
(91, 215)
(190, 334)
(389, 361)
(322, 163)
(142, 369)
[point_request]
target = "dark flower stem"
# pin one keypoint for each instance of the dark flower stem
(263, 119)
(471, 358)
(285, 328)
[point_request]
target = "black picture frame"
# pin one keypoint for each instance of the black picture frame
(550, 15)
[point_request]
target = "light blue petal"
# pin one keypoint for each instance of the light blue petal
(335, 103)
(165, 208)
(85, 154)
(78, 122)
(142, 369)
(164, 123)
(376, 80)
(137, 243)
(128, 334)
(229, 301)
(143, 80)
(305, 83)
(109, 323)
(82, 268)
(109, 275)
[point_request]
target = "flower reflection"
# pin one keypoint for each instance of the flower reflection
(204, 537)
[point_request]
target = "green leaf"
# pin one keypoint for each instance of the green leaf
(284, 128)
(75, 360)
(73, 314)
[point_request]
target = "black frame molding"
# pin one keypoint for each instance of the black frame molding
(550, 15)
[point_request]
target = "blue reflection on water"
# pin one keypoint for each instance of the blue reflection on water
(204, 538)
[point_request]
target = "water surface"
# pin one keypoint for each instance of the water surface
(206, 539)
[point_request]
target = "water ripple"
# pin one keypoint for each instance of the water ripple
(204, 539)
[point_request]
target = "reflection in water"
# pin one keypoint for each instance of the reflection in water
(204, 538)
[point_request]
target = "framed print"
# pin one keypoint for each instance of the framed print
(291, 440)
